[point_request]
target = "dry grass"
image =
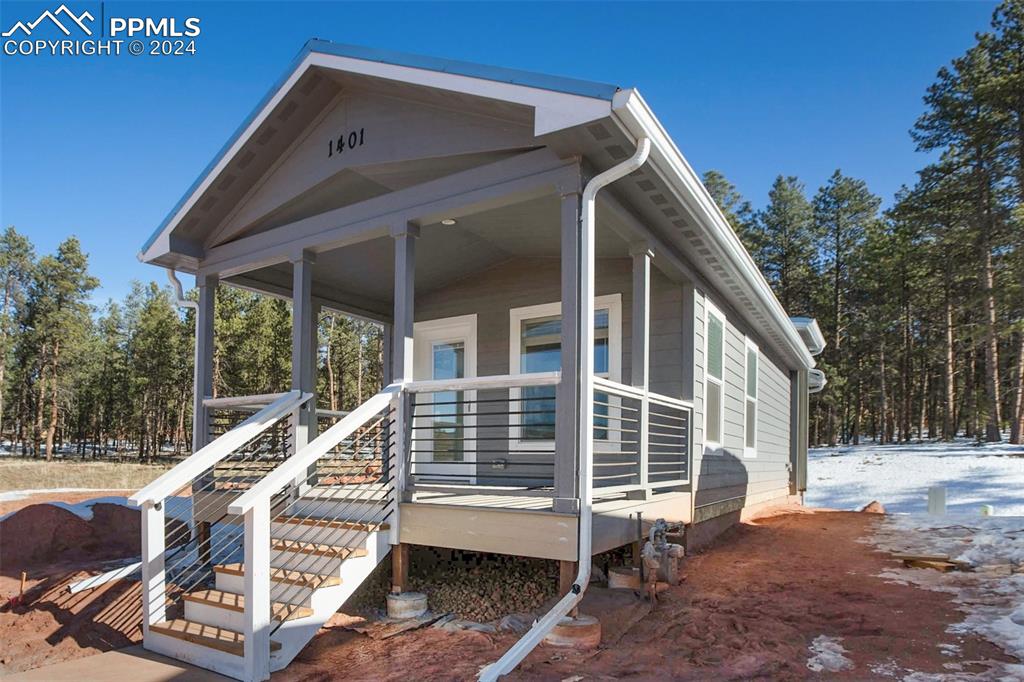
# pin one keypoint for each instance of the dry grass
(29, 474)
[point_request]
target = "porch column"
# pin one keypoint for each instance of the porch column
(203, 372)
(402, 353)
(303, 345)
(641, 347)
(567, 405)
(405, 275)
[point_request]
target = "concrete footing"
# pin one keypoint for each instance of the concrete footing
(582, 633)
(407, 605)
(624, 578)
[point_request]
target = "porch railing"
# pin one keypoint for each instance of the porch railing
(177, 556)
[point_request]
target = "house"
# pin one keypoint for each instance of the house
(575, 338)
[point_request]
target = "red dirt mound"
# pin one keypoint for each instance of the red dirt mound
(43, 534)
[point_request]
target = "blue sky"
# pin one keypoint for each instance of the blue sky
(102, 147)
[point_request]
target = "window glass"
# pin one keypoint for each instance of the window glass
(716, 340)
(449, 362)
(752, 372)
(751, 425)
(714, 408)
(540, 350)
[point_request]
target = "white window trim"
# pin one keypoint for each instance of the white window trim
(751, 452)
(710, 446)
(613, 302)
(426, 335)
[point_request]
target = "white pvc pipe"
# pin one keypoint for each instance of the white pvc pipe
(567, 603)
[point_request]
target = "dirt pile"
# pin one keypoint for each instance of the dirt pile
(42, 534)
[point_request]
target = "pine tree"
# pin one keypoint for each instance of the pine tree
(785, 242)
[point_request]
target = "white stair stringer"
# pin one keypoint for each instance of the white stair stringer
(293, 635)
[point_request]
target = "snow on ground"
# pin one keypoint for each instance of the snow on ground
(828, 655)
(899, 476)
(15, 495)
(990, 593)
(179, 508)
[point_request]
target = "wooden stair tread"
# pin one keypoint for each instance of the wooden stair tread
(280, 575)
(299, 547)
(324, 523)
(236, 602)
(228, 641)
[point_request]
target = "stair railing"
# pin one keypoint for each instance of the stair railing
(368, 428)
(175, 557)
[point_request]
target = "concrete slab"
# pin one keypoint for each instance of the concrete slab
(133, 664)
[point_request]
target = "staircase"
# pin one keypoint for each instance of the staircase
(292, 537)
(310, 579)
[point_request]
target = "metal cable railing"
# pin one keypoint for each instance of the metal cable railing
(191, 500)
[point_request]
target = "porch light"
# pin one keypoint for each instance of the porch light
(448, 222)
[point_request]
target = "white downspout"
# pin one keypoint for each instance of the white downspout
(567, 603)
(182, 302)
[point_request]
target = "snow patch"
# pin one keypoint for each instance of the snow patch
(828, 655)
(899, 476)
(991, 595)
(15, 495)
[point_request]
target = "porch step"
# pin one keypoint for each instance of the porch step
(280, 575)
(236, 602)
(228, 641)
(298, 547)
(336, 525)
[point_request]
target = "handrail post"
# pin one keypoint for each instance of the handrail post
(397, 459)
(154, 594)
(256, 651)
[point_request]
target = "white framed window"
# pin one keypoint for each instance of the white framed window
(535, 345)
(714, 377)
(750, 400)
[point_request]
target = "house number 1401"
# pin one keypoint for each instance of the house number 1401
(345, 141)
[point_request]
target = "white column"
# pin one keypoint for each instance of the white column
(568, 399)
(303, 344)
(202, 380)
(641, 346)
(256, 651)
(154, 578)
(402, 354)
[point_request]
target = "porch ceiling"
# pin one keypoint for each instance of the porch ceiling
(362, 274)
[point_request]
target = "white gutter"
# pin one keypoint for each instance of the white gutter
(542, 627)
(638, 121)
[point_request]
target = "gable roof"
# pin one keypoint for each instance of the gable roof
(316, 46)
(558, 104)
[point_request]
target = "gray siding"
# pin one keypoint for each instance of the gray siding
(726, 473)
(720, 475)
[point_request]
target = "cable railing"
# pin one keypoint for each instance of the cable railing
(186, 524)
(349, 480)
(495, 432)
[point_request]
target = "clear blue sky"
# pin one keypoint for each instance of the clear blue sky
(103, 147)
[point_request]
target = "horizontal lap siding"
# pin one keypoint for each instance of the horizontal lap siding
(726, 474)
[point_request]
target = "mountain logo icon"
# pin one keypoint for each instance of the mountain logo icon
(69, 16)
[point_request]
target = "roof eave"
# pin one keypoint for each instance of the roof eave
(636, 117)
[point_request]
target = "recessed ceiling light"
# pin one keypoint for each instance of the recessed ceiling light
(448, 221)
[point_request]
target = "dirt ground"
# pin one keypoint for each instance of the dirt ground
(8, 506)
(748, 609)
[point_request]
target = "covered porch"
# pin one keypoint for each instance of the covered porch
(472, 289)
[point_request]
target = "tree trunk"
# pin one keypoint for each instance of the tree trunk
(949, 367)
(994, 422)
(1017, 427)
(331, 389)
(51, 431)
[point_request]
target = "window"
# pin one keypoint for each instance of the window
(449, 362)
(535, 345)
(750, 403)
(714, 391)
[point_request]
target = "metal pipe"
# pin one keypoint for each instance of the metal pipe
(567, 603)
